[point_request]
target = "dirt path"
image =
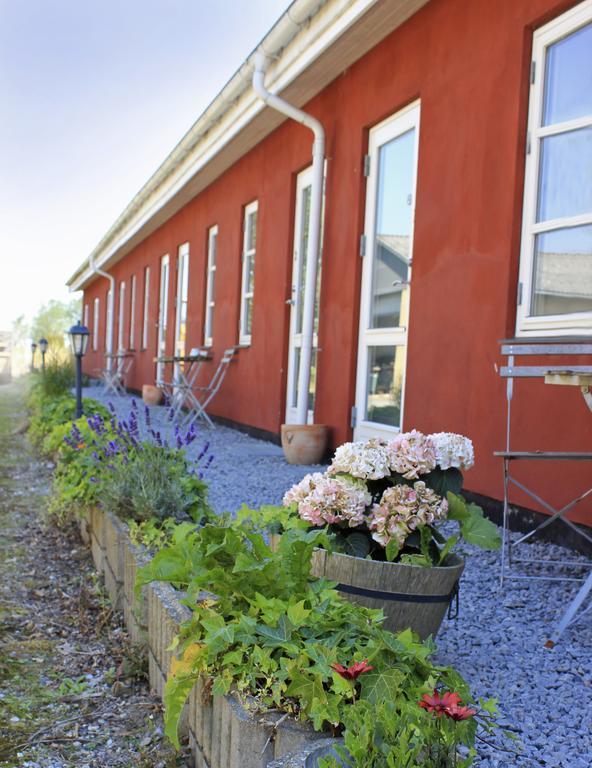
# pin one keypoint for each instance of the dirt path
(72, 688)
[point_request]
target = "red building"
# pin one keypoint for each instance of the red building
(457, 212)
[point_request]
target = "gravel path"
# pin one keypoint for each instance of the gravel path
(497, 642)
(72, 688)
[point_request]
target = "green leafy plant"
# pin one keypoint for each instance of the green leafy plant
(155, 534)
(265, 629)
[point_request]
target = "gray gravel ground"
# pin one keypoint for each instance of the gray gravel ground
(497, 642)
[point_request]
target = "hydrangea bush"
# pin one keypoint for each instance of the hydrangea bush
(395, 493)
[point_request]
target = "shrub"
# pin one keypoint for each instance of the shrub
(58, 378)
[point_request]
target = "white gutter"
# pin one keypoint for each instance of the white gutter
(110, 307)
(314, 236)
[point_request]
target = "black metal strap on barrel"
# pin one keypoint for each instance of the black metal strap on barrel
(399, 597)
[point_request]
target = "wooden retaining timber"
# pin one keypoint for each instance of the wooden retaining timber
(222, 731)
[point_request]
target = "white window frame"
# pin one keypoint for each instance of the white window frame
(394, 126)
(85, 316)
(120, 324)
(132, 325)
(95, 328)
(210, 283)
(546, 325)
(248, 255)
(146, 307)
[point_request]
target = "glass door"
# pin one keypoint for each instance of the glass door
(386, 275)
(301, 234)
(163, 306)
(181, 305)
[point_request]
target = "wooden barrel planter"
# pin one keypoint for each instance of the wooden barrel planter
(410, 595)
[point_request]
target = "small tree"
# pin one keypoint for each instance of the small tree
(52, 322)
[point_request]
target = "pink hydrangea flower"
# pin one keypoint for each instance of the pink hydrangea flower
(324, 500)
(367, 460)
(403, 509)
(453, 450)
(411, 454)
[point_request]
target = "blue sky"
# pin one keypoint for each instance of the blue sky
(94, 95)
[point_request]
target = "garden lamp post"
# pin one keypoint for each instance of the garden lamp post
(43, 345)
(79, 340)
(33, 348)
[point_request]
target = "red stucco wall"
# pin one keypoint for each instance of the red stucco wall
(468, 62)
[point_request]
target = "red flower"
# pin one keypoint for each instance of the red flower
(353, 672)
(446, 704)
(459, 713)
(439, 704)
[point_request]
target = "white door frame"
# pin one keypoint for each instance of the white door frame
(303, 180)
(163, 307)
(400, 123)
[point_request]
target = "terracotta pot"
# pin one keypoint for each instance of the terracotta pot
(304, 443)
(151, 395)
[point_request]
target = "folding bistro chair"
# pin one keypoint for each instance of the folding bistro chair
(114, 377)
(575, 375)
(200, 397)
(184, 380)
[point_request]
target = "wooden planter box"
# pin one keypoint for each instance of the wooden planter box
(222, 732)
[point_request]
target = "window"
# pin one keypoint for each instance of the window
(107, 305)
(85, 316)
(132, 325)
(248, 274)
(120, 334)
(181, 299)
(95, 328)
(555, 291)
(146, 307)
(210, 285)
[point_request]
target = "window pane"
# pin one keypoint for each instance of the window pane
(384, 385)
(250, 273)
(248, 316)
(562, 279)
(252, 231)
(568, 78)
(213, 244)
(394, 211)
(565, 182)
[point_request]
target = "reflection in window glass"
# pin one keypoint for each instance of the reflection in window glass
(386, 366)
(568, 78)
(563, 271)
(394, 219)
(565, 179)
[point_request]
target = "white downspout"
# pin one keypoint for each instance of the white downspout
(314, 237)
(110, 306)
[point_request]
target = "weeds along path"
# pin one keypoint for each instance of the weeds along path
(72, 689)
